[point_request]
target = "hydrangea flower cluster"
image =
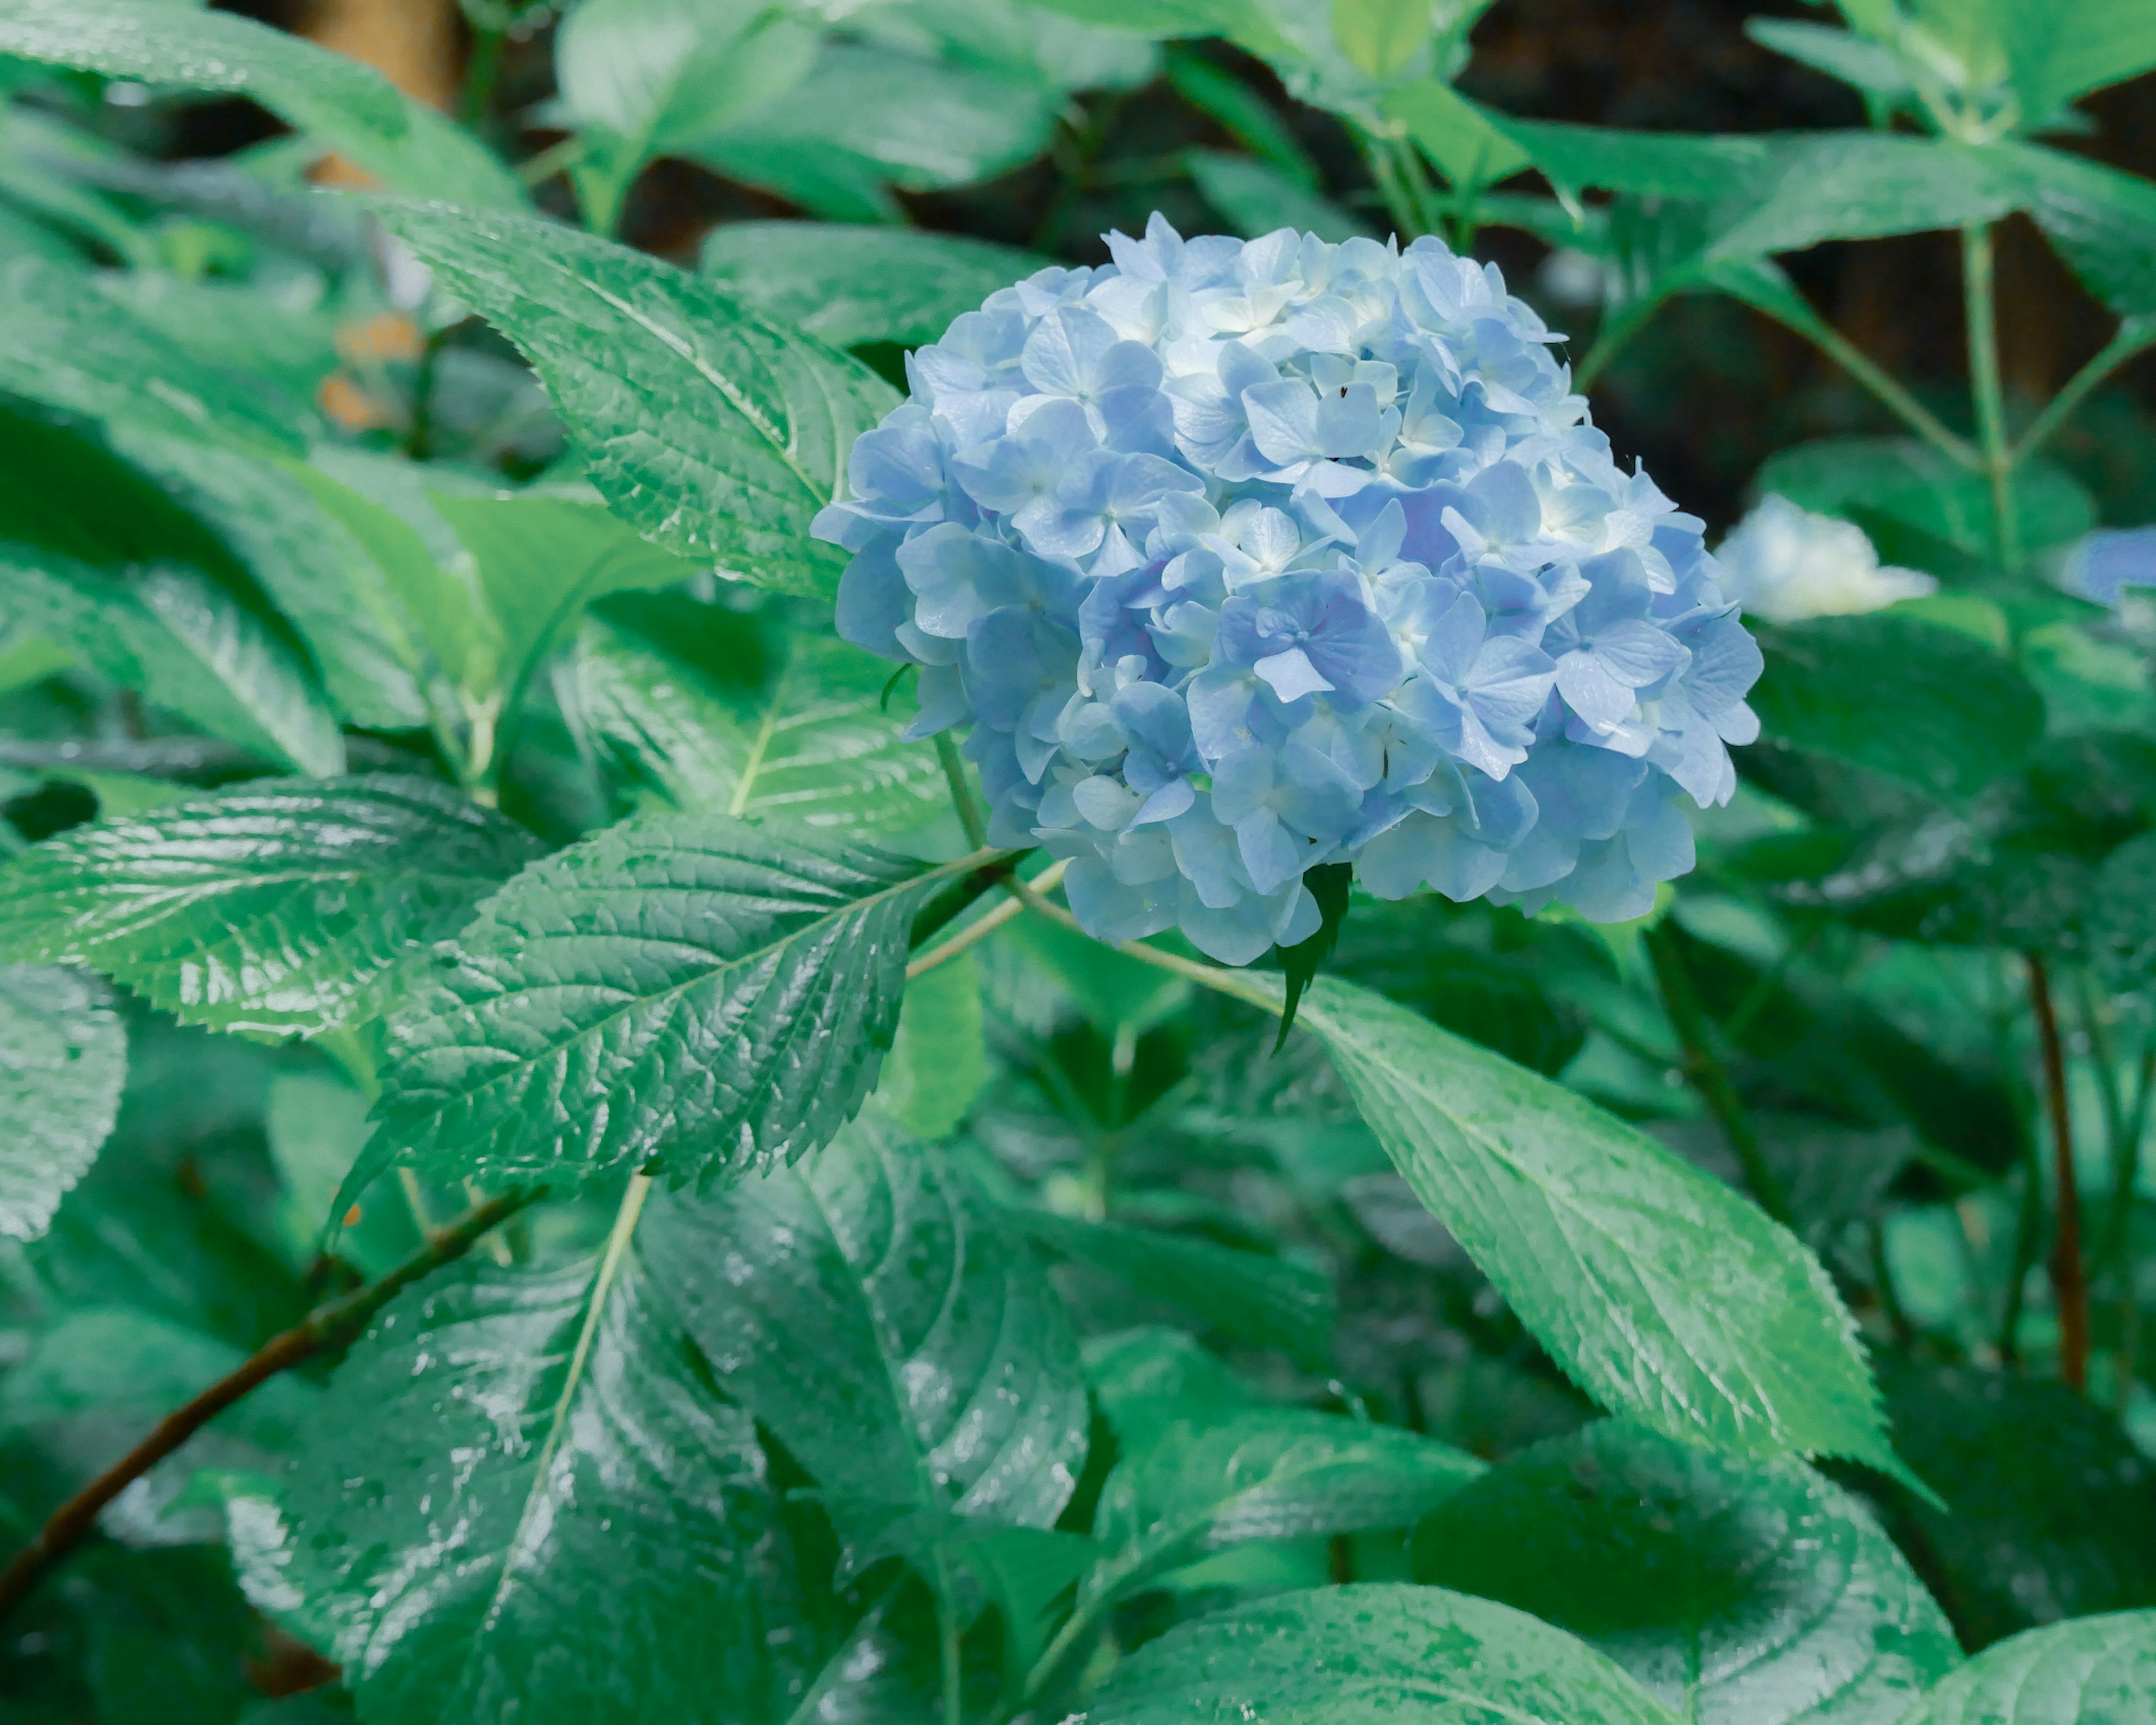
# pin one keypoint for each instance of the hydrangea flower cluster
(1243, 557)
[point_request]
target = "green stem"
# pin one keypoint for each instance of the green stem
(1617, 328)
(2135, 336)
(1384, 168)
(482, 71)
(1890, 392)
(555, 158)
(1978, 299)
(948, 1640)
(2069, 1279)
(961, 794)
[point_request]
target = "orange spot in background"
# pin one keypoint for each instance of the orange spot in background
(349, 405)
(351, 1217)
(386, 336)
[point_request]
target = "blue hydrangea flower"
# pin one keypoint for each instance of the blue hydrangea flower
(1239, 557)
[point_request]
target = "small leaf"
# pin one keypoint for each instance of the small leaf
(1599, 1239)
(849, 285)
(273, 908)
(2094, 1671)
(945, 1375)
(1740, 1593)
(714, 430)
(684, 990)
(63, 1059)
(1330, 883)
(1348, 1655)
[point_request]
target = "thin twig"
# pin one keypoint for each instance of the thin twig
(961, 794)
(1978, 298)
(2068, 1278)
(973, 933)
(2135, 336)
(71, 1522)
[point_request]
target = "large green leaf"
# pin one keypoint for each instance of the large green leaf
(885, 1320)
(520, 1499)
(2103, 223)
(852, 285)
(705, 706)
(2094, 1670)
(715, 430)
(1354, 1655)
(1740, 1593)
(276, 908)
(939, 1060)
(63, 1057)
(2054, 59)
(185, 643)
(1927, 705)
(688, 991)
(347, 106)
(1606, 1244)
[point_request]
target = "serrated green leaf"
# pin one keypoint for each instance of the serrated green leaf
(849, 285)
(63, 1059)
(1357, 1656)
(684, 991)
(2094, 1670)
(1739, 1593)
(945, 1374)
(1926, 706)
(499, 1442)
(277, 907)
(939, 1061)
(185, 644)
(716, 431)
(1273, 1302)
(1599, 1238)
(696, 702)
(342, 104)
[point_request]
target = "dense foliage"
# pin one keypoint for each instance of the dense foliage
(1341, 1078)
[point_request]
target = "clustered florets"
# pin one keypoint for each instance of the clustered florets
(1242, 557)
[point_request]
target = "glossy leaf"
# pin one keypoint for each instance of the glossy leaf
(849, 285)
(63, 1057)
(2094, 1670)
(1594, 1234)
(684, 698)
(1348, 1655)
(684, 991)
(1740, 1593)
(497, 1441)
(276, 908)
(714, 430)
(343, 104)
(945, 1375)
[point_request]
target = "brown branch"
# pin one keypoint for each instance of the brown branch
(323, 1328)
(2068, 1278)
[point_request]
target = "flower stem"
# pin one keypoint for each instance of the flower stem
(1978, 299)
(2068, 1279)
(962, 794)
(2135, 336)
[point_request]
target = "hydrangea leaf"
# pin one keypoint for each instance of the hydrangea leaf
(697, 703)
(2094, 1671)
(498, 1441)
(341, 104)
(1926, 706)
(1740, 1593)
(1348, 1655)
(715, 430)
(63, 1059)
(939, 1062)
(849, 285)
(276, 907)
(685, 991)
(1599, 1237)
(1273, 1303)
(945, 1376)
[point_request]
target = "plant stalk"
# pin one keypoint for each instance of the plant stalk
(2135, 336)
(2068, 1276)
(961, 794)
(327, 1326)
(1978, 298)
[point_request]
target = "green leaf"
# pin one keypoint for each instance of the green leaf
(316, 1126)
(1601, 1239)
(714, 430)
(1114, 991)
(1926, 706)
(939, 1061)
(495, 1445)
(685, 991)
(1840, 54)
(683, 697)
(1245, 115)
(1740, 1593)
(1256, 199)
(1912, 486)
(1329, 885)
(1381, 36)
(2054, 60)
(185, 644)
(1273, 1302)
(1262, 1473)
(850, 285)
(63, 1059)
(657, 74)
(347, 106)
(2094, 1671)
(1354, 1655)
(2102, 222)
(1454, 133)
(273, 908)
(945, 1375)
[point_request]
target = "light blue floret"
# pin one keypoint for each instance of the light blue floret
(1239, 557)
